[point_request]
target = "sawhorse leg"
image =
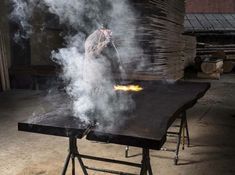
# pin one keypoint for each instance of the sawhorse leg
(127, 151)
(66, 164)
(146, 165)
(187, 131)
(181, 134)
(73, 153)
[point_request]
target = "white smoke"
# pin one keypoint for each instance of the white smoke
(22, 11)
(90, 82)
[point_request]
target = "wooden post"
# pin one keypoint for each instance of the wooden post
(5, 82)
(7, 79)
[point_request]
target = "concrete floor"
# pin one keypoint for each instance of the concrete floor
(212, 131)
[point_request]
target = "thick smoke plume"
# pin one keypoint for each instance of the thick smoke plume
(90, 82)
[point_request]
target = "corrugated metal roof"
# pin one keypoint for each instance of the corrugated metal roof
(209, 22)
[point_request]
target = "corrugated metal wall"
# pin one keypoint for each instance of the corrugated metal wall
(210, 6)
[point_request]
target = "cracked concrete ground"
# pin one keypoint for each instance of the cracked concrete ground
(212, 132)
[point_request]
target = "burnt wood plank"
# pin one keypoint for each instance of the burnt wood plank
(157, 106)
(56, 124)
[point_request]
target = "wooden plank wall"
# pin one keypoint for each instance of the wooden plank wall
(160, 34)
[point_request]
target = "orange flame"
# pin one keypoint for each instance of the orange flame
(135, 88)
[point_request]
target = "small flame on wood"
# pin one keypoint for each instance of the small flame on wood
(135, 88)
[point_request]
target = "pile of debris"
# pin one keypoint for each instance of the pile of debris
(212, 60)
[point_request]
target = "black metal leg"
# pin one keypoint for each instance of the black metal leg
(183, 136)
(150, 170)
(127, 151)
(143, 170)
(74, 149)
(146, 165)
(187, 130)
(73, 152)
(149, 167)
(73, 165)
(66, 164)
(81, 163)
(179, 139)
